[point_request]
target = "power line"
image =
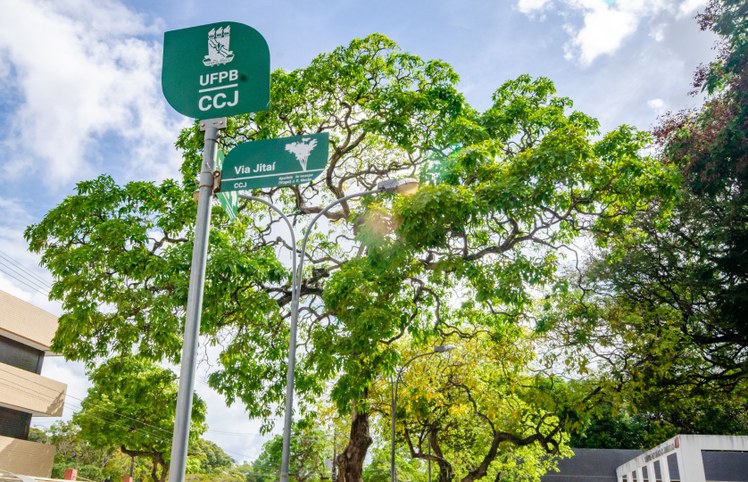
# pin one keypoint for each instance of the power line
(24, 282)
(26, 391)
(25, 270)
(16, 271)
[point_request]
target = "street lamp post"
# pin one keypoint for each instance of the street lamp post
(402, 186)
(438, 349)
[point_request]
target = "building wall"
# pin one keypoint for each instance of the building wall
(31, 393)
(25, 337)
(25, 323)
(26, 458)
(591, 465)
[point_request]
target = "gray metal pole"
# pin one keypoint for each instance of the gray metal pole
(393, 407)
(180, 439)
(429, 458)
(295, 294)
(390, 186)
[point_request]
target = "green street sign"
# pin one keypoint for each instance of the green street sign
(229, 201)
(275, 162)
(216, 70)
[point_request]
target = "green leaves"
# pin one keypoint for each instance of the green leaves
(504, 193)
(132, 405)
(434, 214)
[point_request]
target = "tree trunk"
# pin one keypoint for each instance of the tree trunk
(446, 472)
(351, 460)
(159, 464)
(154, 470)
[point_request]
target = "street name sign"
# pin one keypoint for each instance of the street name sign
(287, 161)
(216, 70)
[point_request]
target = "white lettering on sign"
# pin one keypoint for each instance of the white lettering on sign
(658, 452)
(215, 81)
(218, 77)
(217, 101)
(260, 167)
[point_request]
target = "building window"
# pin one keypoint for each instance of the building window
(20, 356)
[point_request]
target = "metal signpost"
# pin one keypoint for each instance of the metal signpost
(271, 163)
(209, 72)
(275, 162)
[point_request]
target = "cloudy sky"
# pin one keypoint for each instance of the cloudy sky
(80, 92)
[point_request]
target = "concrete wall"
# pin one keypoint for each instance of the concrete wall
(26, 458)
(25, 323)
(31, 393)
(25, 391)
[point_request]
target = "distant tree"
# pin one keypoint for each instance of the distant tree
(131, 405)
(473, 412)
(212, 457)
(661, 309)
(73, 451)
(310, 447)
(209, 461)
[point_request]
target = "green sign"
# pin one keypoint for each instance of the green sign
(275, 162)
(216, 70)
(229, 201)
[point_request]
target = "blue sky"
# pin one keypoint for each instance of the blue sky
(80, 90)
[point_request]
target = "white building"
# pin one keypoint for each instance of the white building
(25, 336)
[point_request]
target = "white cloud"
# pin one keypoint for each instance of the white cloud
(657, 105)
(690, 6)
(80, 71)
(606, 24)
(530, 6)
(604, 30)
(657, 31)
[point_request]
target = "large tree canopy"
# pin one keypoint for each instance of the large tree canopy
(502, 193)
(663, 309)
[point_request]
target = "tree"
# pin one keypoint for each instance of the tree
(310, 447)
(213, 463)
(73, 451)
(131, 405)
(662, 309)
(492, 225)
(474, 413)
(620, 427)
(503, 190)
(409, 469)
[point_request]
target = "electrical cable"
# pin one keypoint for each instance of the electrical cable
(27, 272)
(26, 283)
